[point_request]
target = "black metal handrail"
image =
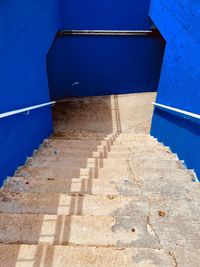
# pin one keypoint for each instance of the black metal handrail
(108, 33)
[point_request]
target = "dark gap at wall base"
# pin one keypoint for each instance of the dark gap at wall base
(104, 65)
(180, 134)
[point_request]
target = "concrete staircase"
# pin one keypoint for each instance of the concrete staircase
(101, 192)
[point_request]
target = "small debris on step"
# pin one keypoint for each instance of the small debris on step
(110, 197)
(161, 213)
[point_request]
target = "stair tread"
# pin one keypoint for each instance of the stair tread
(69, 186)
(61, 204)
(85, 256)
(109, 173)
(104, 162)
(75, 230)
(100, 192)
(103, 187)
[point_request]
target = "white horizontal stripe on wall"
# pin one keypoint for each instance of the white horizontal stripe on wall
(18, 111)
(193, 115)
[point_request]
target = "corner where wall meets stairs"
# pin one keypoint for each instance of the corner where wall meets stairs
(179, 81)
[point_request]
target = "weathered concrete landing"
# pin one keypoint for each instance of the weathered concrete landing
(101, 192)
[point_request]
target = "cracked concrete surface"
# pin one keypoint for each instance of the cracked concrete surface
(101, 192)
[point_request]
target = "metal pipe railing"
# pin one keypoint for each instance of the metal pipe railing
(27, 109)
(180, 111)
(107, 33)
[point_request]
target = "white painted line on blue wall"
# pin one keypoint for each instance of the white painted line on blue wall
(194, 115)
(18, 111)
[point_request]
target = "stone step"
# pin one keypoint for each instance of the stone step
(83, 135)
(85, 256)
(62, 172)
(101, 187)
(81, 138)
(62, 143)
(132, 136)
(87, 156)
(65, 143)
(138, 147)
(63, 204)
(156, 164)
(136, 141)
(101, 135)
(85, 113)
(185, 207)
(69, 162)
(125, 143)
(167, 189)
(169, 174)
(94, 168)
(143, 175)
(104, 151)
(70, 153)
(80, 155)
(70, 186)
(76, 230)
(69, 145)
(82, 124)
(102, 163)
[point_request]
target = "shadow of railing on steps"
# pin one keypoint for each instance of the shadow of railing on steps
(54, 227)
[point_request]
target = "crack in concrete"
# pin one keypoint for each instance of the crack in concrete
(151, 226)
(138, 183)
(130, 171)
(170, 253)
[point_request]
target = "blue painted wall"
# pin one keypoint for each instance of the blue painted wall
(98, 65)
(105, 15)
(180, 78)
(27, 29)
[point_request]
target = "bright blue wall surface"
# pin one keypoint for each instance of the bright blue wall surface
(105, 15)
(27, 29)
(98, 65)
(180, 78)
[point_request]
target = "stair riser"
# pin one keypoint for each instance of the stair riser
(71, 256)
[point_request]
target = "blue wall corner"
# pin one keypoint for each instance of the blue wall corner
(100, 65)
(179, 81)
(103, 65)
